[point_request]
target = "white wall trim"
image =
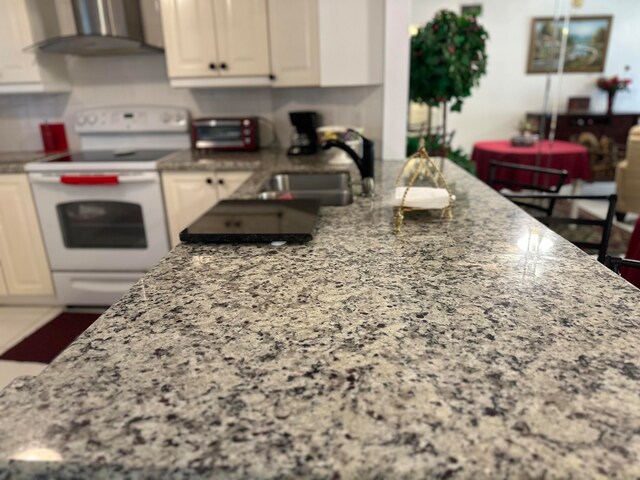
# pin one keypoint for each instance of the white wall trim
(396, 79)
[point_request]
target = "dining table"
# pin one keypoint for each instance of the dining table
(555, 154)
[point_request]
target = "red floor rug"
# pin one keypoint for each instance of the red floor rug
(46, 343)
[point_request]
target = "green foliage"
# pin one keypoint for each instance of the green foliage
(448, 58)
(434, 147)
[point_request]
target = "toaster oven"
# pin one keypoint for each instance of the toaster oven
(225, 134)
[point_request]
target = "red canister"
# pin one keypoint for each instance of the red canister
(54, 137)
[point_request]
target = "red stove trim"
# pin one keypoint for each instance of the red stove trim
(89, 179)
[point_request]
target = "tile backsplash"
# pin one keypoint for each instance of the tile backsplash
(142, 80)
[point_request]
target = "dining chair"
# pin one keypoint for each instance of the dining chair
(615, 263)
(560, 177)
(606, 223)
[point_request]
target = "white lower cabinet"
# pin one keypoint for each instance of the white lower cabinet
(187, 195)
(229, 182)
(3, 285)
(24, 266)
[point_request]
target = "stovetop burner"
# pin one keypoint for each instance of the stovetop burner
(112, 156)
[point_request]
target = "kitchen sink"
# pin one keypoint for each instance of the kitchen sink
(327, 188)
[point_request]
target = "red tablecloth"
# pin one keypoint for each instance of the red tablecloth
(633, 253)
(561, 155)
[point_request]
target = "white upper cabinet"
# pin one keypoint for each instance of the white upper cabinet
(190, 40)
(351, 42)
(326, 43)
(212, 43)
(20, 71)
(295, 53)
(243, 41)
(15, 65)
(222, 43)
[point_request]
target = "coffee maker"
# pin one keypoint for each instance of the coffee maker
(304, 140)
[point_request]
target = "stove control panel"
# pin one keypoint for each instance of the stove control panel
(132, 119)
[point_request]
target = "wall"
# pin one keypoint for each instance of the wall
(507, 92)
(142, 80)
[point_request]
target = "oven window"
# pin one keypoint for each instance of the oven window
(219, 133)
(102, 224)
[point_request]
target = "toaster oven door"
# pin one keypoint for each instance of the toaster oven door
(227, 134)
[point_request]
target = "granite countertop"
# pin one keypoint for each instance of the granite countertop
(191, 160)
(264, 161)
(481, 347)
(14, 162)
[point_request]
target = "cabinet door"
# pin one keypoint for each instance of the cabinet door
(187, 196)
(243, 42)
(24, 261)
(3, 285)
(228, 182)
(351, 43)
(16, 66)
(190, 40)
(295, 52)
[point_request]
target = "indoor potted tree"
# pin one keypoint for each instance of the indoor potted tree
(448, 58)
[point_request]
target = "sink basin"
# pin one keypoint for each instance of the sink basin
(327, 188)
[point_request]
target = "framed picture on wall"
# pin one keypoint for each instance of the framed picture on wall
(587, 44)
(472, 10)
(578, 104)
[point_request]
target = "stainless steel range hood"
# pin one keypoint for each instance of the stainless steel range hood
(97, 27)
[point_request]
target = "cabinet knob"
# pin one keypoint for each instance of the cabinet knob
(223, 66)
(272, 76)
(209, 181)
(212, 66)
(220, 181)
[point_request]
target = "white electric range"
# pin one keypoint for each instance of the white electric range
(101, 209)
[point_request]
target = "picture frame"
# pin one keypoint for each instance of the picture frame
(587, 44)
(578, 104)
(472, 9)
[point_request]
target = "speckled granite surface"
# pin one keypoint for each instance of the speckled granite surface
(263, 163)
(14, 162)
(483, 347)
(189, 160)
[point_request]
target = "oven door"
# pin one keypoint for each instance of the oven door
(103, 222)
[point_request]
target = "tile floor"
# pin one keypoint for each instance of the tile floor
(17, 323)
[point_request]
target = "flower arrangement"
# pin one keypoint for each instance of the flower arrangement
(613, 84)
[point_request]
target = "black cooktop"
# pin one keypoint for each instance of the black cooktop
(255, 221)
(113, 156)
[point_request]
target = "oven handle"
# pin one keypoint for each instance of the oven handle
(91, 180)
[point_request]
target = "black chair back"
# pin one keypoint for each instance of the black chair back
(606, 224)
(553, 176)
(615, 263)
